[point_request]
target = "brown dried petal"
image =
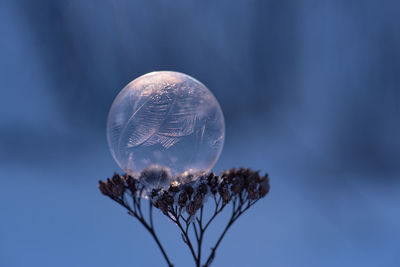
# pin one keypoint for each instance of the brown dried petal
(198, 199)
(264, 187)
(116, 179)
(226, 197)
(162, 206)
(211, 175)
(237, 185)
(173, 188)
(131, 183)
(182, 199)
(213, 184)
(224, 192)
(202, 189)
(103, 188)
(191, 208)
(117, 190)
(252, 194)
(169, 200)
(154, 193)
(189, 190)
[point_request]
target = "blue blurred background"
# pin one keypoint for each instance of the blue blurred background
(310, 91)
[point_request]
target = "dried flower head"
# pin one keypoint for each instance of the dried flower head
(183, 203)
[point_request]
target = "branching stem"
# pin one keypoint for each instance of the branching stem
(184, 204)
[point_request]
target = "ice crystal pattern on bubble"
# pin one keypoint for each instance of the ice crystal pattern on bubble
(165, 121)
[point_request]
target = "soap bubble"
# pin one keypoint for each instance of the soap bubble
(164, 125)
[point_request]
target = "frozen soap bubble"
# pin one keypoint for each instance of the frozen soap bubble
(165, 125)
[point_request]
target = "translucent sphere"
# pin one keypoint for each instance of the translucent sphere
(165, 125)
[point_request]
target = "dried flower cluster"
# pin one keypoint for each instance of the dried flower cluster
(245, 184)
(184, 203)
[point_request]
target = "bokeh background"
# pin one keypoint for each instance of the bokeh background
(310, 91)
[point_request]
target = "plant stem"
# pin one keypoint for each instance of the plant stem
(236, 212)
(149, 228)
(200, 238)
(161, 247)
(212, 255)
(186, 236)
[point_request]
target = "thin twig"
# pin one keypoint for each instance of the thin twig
(150, 229)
